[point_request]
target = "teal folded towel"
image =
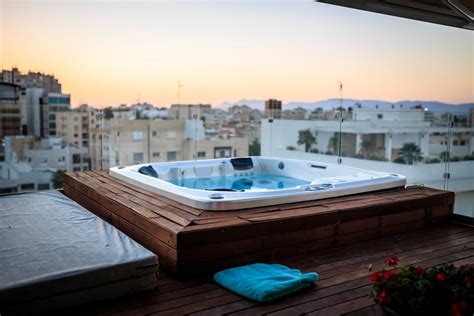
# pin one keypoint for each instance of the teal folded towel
(264, 282)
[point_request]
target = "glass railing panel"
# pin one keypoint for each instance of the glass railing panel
(460, 162)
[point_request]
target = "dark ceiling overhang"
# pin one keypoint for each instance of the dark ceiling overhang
(456, 13)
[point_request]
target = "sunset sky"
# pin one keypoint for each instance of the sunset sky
(108, 52)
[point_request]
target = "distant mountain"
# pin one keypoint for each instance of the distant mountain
(333, 103)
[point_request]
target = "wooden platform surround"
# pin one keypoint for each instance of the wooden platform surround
(191, 240)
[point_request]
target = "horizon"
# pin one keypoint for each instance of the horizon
(113, 53)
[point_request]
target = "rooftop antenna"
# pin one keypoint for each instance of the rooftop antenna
(179, 91)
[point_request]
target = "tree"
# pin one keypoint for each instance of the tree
(306, 138)
(367, 148)
(411, 153)
(444, 156)
(254, 148)
(58, 178)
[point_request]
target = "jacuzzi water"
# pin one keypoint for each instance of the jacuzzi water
(249, 181)
(239, 183)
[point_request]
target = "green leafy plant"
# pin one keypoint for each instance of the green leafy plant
(411, 153)
(306, 138)
(254, 148)
(441, 290)
(58, 179)
(290, 147)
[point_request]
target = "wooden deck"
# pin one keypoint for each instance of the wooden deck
(342, 289)
(189, 240)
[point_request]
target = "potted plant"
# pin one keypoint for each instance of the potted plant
(441, 290)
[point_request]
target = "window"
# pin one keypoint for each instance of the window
(28, 186)
(222, 152)
(463, 143)
(455, 142)
(76, 169)
(171, 135)
(380, 116)
(201, 154)
(137, 135)
(137, 157)
(76, 135)
(171, 156)
(156, 154)
(43, 186)
(155, 134)
(235, 152)
(61, 159)
(76, 158)
(45, 159)
(118, 134)
(52, 117)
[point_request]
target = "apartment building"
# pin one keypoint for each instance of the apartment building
(74, 126)
(188, 111)
(32, 79)
(12, 98)
(127, 142)
(273, 108)
(31, 162)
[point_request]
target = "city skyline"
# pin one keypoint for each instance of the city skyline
(113, 53)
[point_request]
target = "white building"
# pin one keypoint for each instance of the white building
(381, 132)
(386, 131)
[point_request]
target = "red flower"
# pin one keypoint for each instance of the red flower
(391, 261)
(384, 298)
(458, 309)
(389, 274)
(420, 270)
(376, 276)
(440, 276)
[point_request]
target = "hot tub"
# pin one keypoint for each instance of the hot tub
(238, 183)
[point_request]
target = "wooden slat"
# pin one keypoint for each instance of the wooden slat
(148, 194)
(163, 233)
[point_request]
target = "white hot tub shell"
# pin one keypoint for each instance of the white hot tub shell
(320, 181)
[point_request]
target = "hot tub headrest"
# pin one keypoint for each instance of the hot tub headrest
(149, 171)
(242, 163)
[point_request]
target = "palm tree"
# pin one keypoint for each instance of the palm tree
(411, 153)
(306, 138)
(366, 148)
